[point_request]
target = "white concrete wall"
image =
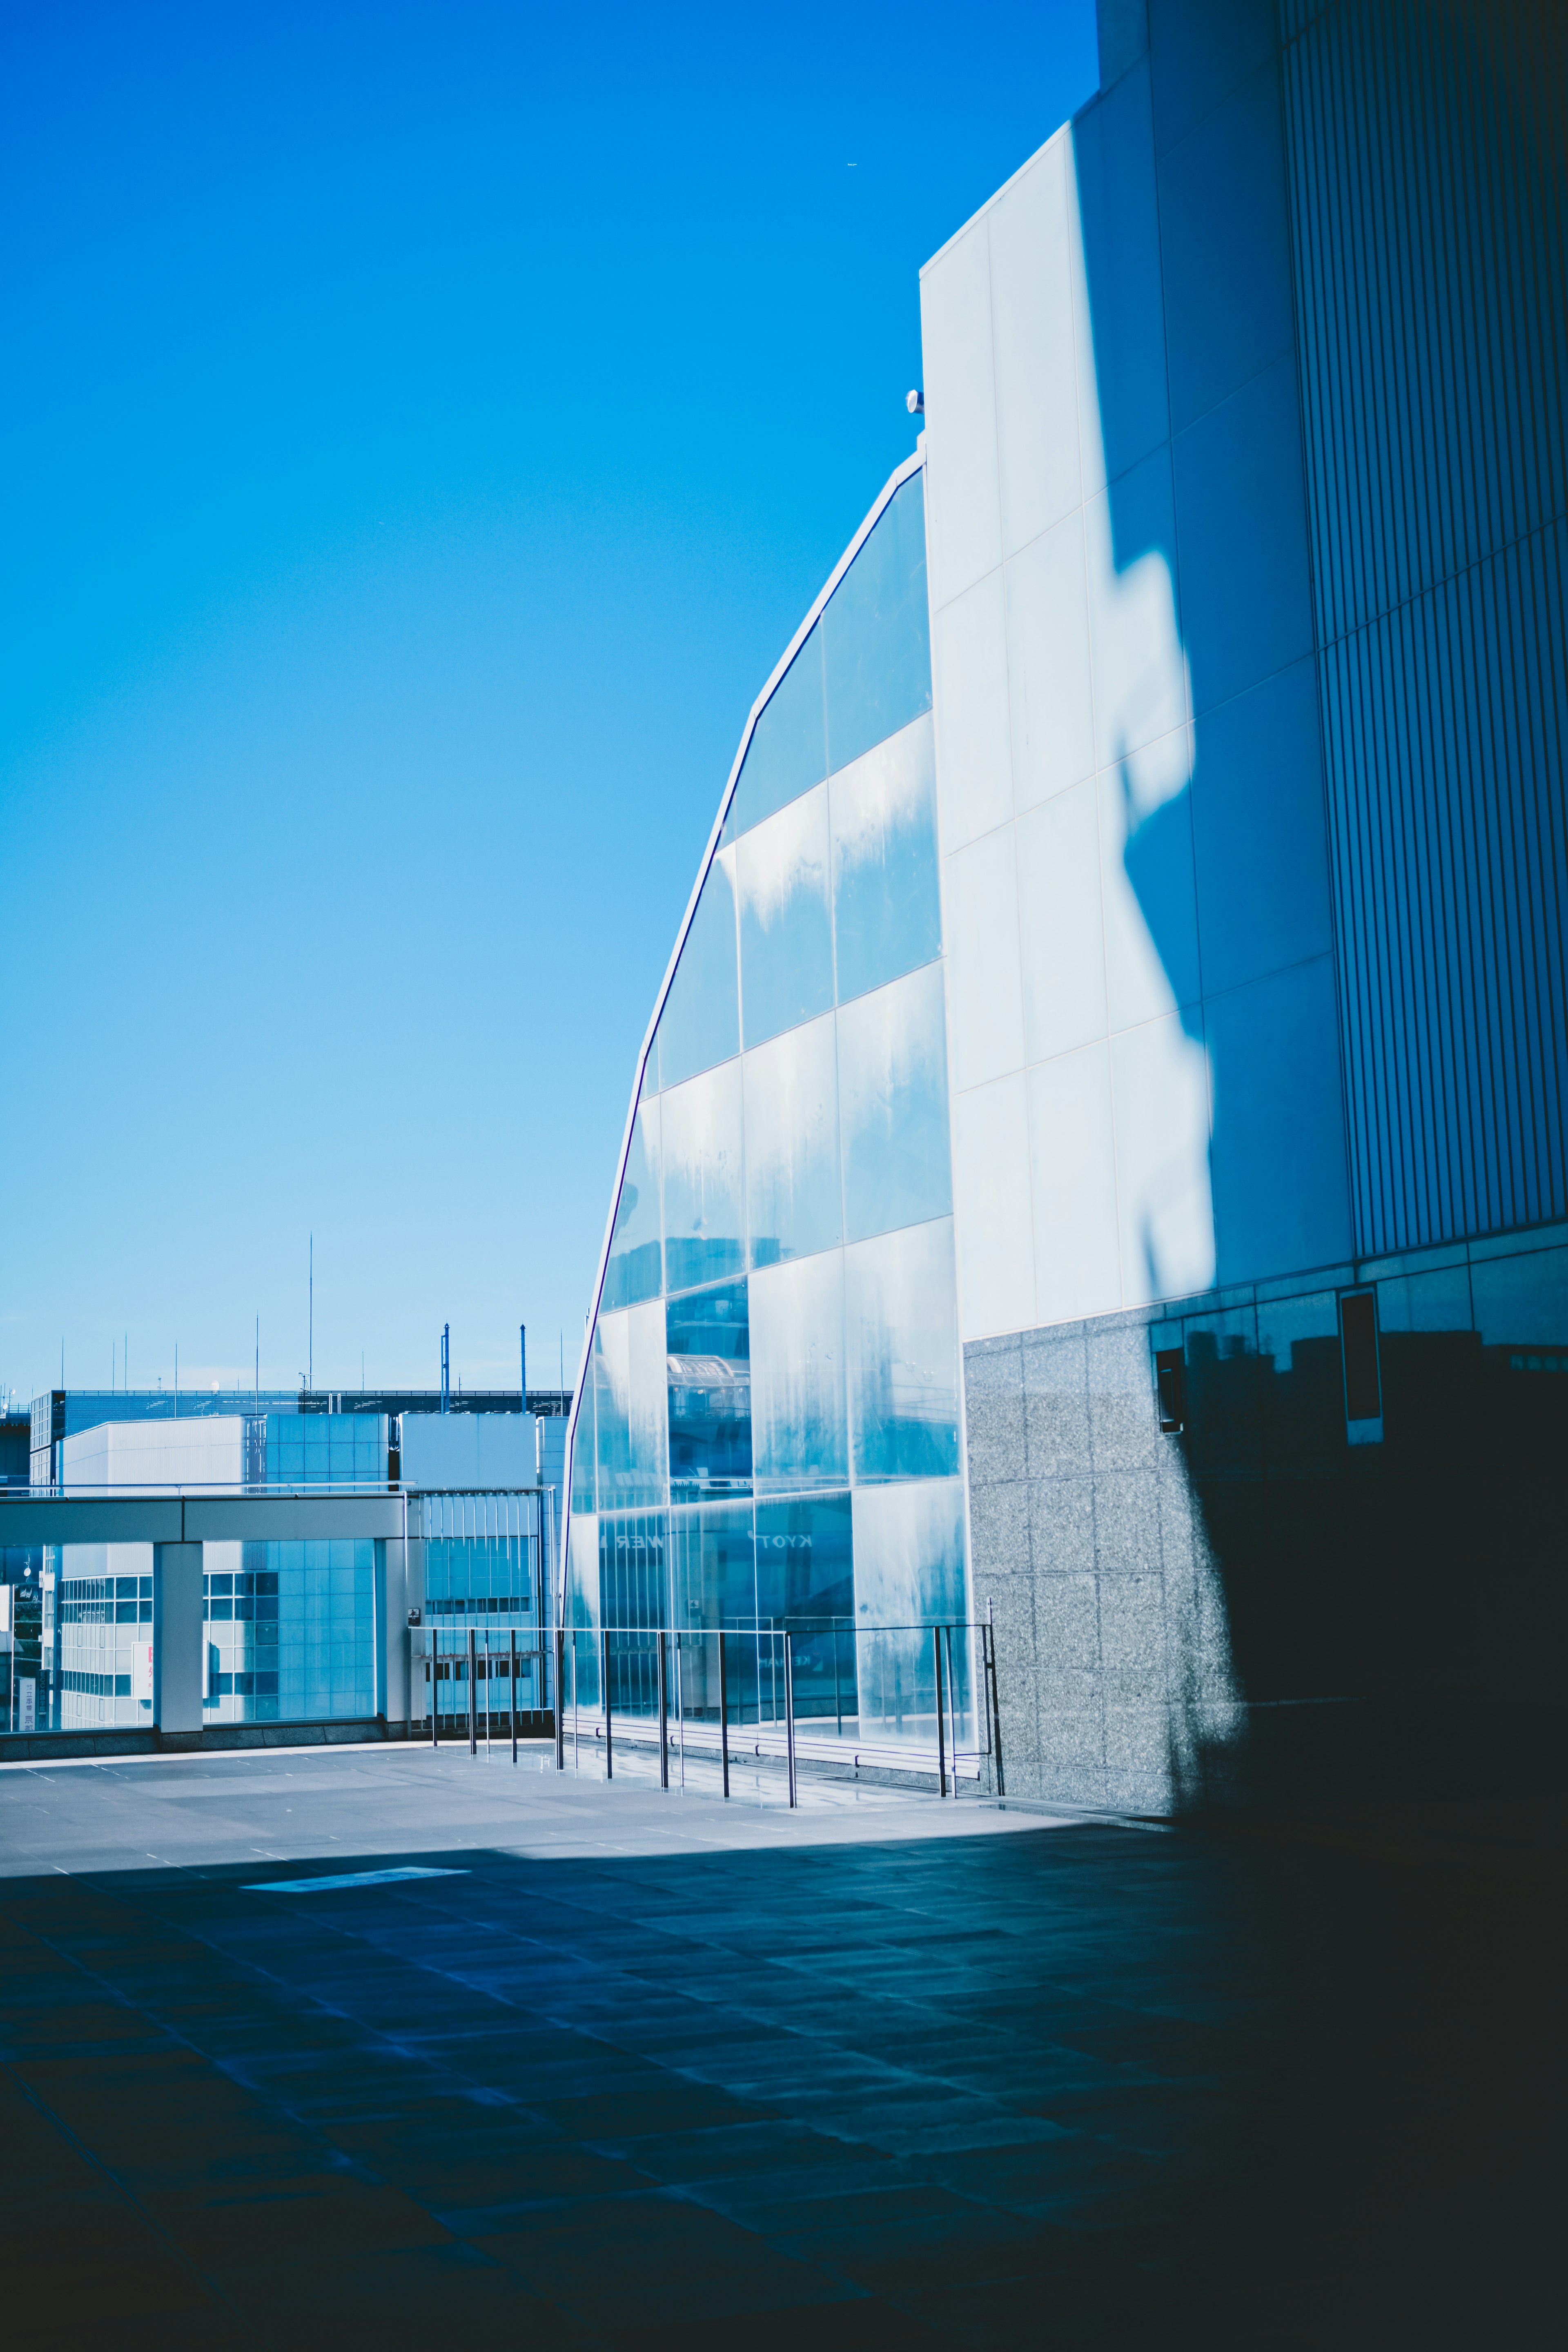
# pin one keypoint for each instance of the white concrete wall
(1080, 1093)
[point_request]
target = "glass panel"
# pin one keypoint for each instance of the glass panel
(634, 1268)
(611, 1404)
(900, 1318)
(909, 1572)
(792, 1198)
(704, 1213)
(804, 1560)
(886, 906)
(805, 1557)
(800, 1431)
(583, 1448)
(909, 1554)
(629, 1387)
(788, 750)
(700, 1023)
(892, 1106)
(876, 633)
(714, 1568)
(786, 934)
(710, 1374)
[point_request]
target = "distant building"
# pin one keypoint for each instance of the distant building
(293, 1630)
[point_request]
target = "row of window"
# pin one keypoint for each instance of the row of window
(831, 898)
(830, 1371)
(889, 1555)
(835, 1133)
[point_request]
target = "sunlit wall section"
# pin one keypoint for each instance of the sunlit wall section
(767, 1428)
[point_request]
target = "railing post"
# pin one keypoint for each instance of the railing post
(511, 1694)
(941, 1726)
(789, 1711)
(435, 1673)
(990, 1640)
(473, 1728)
(952, 1713)
(560, 1701)
(663, 1712)
(723, 1715)
(604, 1694)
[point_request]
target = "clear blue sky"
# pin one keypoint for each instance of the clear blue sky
(422, 428)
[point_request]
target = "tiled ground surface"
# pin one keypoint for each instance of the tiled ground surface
(654, 2071)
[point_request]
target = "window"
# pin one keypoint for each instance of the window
(1363, 1385)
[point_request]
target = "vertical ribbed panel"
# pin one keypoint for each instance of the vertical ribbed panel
(1425, 148)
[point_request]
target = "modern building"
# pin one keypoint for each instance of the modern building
(1097, 1160)
(296, 1632)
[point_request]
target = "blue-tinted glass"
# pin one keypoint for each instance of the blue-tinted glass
(788, 752)
(634, 1268)
(786, 932)
(892, 1106)
(901, 1341)
(909, 1554)
(793, 1197)
(887, 905)
(804, 1559)
(700, 1023)
(633, 1583)
(909, 1574)
(800, 1433)
(714, 1576)
(876, 633)
(709, 1349)
(805, 1579)
(583, 1447)
(629, 1404)
(704, 1208)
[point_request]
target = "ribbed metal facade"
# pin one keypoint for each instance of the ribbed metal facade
(1425, 147)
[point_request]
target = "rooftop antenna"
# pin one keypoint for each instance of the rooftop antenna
(259, 1363)
(177, 1380)
(446, 1368)
(311, 1359)
(522, 1356)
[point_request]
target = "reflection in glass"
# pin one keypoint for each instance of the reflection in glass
(630, 1391)
(892, 1106)
(793, 1200)
(700, 1023)
(584, 1446)
(713, 1566)
(710, 1378)
(886, 908)
(909, 1573)
(633, 1269)
(909, 1554)
(704, 1210)
(786, 934)
(805, 1580)
(901, 1335)
(633, 1593)
(799, 1417)
(876, 633)
(788, 751)
(713, 1573)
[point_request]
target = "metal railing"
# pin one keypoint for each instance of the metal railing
(899, 1697)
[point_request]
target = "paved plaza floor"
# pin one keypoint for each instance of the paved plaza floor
(349, 2046)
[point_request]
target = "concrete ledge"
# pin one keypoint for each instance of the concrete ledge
(221, 1739)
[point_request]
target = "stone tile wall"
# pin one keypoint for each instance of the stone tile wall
(1112, 1662)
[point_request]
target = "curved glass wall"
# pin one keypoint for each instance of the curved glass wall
(768, 1428)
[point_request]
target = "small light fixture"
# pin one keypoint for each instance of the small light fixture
(915, 402)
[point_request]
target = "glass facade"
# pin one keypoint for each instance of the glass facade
(766, 1433)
